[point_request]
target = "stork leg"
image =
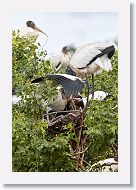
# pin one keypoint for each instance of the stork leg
(88, 90)
(92, 86)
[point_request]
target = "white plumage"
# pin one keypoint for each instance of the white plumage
(61, 61)
(16, 99)
(28, 32)
(91, 58)
(72, 85)
(98, 95)
(66, 76)
(106, 165)
(57, 103)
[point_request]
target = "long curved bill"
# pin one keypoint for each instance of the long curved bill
(39, 30)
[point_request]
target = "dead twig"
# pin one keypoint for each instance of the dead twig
(69, 111)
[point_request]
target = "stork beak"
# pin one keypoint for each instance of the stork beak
(39, 30)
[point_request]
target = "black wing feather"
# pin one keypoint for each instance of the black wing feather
(109, 51)
(71, 87)
(37, 80)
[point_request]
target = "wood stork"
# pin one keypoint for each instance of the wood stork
(91, 59)
(98, 95)
(31, 30)
(61, 61)
(72, 86)
(57, 103)
(107, 165)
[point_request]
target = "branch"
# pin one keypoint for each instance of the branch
(62, 112)
(79, 152)
(87, 163)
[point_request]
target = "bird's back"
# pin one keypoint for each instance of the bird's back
(27, 32)
(83, 55)
(91, 58)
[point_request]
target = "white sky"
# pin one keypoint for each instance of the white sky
(76, 28)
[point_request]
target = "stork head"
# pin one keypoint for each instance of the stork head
(32, 25)
(65, 50)
(61, 90)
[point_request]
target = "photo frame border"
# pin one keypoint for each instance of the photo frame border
(123, 174)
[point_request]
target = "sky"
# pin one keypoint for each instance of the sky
(70, 28)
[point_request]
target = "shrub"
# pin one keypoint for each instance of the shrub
(34, 149)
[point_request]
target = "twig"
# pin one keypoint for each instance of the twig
(62, 112)
(114, 107)
(82, 147)
(87, 163)
(48, 119)
(81, 151)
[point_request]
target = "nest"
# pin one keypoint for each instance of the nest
(58, 123)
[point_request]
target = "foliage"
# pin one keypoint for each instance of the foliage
(28, 64)
(33, 148)
(102, 116)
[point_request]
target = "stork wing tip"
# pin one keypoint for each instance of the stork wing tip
(37, 80)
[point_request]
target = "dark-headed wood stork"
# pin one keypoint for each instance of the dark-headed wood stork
(57, 103)
(61, 61)
(71, 87)
(31, 30)
(92, 58)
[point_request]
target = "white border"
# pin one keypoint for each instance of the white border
(9, 177)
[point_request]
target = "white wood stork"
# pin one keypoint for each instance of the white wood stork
(92, 58)
(107, 165)
(31, 30)
(98, 95)
(61, 61)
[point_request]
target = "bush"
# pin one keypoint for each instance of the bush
(34, 149)
(102, 116)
